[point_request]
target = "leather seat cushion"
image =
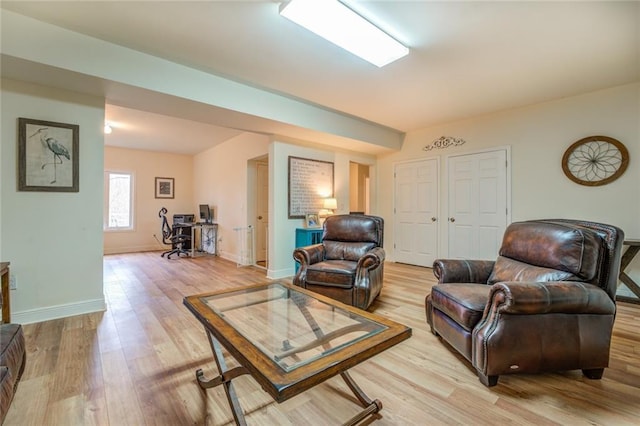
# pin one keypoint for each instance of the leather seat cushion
(506, 269)
(463, 303)
(554, 245)
(332, 273)
(353, 228)
(340, 250)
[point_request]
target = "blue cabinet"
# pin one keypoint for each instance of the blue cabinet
(307, 237)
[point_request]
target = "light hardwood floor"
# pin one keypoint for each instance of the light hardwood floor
(134, 364)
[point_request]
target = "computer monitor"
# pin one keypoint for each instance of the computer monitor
(183, 218)
(205, 213)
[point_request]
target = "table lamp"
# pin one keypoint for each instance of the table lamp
(328, 206)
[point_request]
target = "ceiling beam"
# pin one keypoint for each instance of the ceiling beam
(43, 53)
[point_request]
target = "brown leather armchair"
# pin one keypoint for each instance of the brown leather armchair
(348, 264)
(546, 304)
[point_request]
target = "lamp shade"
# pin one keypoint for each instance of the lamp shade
(330, 203)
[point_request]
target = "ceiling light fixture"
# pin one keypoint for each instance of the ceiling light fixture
(337, 23)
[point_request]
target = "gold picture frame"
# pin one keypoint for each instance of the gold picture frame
(311, 220)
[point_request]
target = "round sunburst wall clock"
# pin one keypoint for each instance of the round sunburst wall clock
(595, 161)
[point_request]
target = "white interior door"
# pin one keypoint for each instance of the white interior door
(416, 212)
(478, 210)
(262, 212)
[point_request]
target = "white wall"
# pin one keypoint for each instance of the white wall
(53, 239)
(538, 136)
(220, 180)
(146, 166)
(281, 228)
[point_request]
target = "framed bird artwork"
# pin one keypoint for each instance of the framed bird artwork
(48, 156)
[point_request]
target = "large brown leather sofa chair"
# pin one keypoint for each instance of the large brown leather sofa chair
(546, 304)
(348, 264)
(12, 352)
(12, 362)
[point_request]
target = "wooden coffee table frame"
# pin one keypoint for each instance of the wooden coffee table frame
(277, 382)
(627, 257)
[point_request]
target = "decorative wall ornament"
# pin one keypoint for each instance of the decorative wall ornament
(164, 187)
(444, 142)
(48, 156)
(310, 182)
(595, 160)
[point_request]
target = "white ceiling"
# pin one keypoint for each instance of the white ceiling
(466, 59)
(153, 132)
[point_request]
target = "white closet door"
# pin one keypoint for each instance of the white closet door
(416, 212)
(477, 204)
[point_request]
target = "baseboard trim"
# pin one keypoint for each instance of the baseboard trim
(59, 311)
(272, 274)
(276, 274)
(135, 249)
(233, 258)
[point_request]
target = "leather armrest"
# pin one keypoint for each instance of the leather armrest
(462, 271)
(309, 255)
(568, 297)
(372, 259)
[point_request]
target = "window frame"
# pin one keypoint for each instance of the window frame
(105, 215)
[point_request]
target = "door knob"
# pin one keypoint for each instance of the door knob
(259, 217)
(433, 219)
(452, 219)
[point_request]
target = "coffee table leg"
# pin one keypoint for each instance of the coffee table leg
(224, 379)
(371, 406)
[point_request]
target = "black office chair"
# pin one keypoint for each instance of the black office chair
(169, 236)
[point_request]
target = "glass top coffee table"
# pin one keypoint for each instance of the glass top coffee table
(289, 339)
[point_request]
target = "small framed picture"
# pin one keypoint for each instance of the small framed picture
(164, 187)
(48, 157)
(311, 221)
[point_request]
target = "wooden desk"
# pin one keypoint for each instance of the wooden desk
(6, 301)
(627, 257)
(204, 239)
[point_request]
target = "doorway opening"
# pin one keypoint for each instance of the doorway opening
(359, 188)
(258, 209)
